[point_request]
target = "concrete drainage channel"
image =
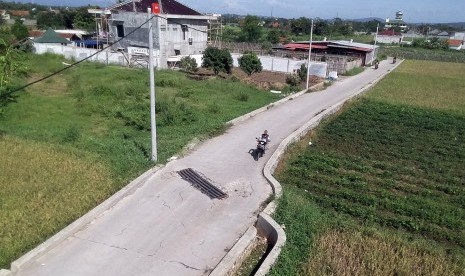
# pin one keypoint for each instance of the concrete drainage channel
(265, 226)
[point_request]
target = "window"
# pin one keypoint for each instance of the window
(120, 30)
(184, 29)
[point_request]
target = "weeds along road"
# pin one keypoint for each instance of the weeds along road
(167, 227)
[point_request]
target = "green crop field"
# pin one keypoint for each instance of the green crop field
(381, 191)
(73, 140)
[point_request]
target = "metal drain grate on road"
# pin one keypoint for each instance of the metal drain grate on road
(201, 184)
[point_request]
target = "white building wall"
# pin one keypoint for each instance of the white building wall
(389, 39)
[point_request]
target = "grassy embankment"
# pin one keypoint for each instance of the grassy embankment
(75, 139)
(381, 191)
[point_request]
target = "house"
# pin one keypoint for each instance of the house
(365, 52)
(63, 34)
(4, 15)
(389, 37)
(455, 44)
(443, 35)
(178, 30)
(51, 37)
(397, 23)
(19, 13)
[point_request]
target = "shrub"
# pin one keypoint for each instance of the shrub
(189, 64)
(250, 63)
(217, 60)
(242, 96)
(293, 80)
(302, 72)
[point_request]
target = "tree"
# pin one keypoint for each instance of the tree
(301, 25)
(49, 19)
(10, 65)
(250, 63)
(217, 60)
(83, 20)
(302, 72)
(273, 36)
(189, 64)
(251, 31)
(320, 27)
(19, 30)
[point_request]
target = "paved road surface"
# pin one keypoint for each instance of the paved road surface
(167, 227)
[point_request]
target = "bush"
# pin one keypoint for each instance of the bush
(293, 80)
(217, 60)
(302, 72)
(189, 64)
(250, 63)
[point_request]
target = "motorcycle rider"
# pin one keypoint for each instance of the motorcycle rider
(265, 137)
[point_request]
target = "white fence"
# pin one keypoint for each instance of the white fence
(269, 63)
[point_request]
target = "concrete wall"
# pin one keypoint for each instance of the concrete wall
(77, 53)
(168, 34)
(129, 22)
(286, 65)
(275, 64)
(388, 39)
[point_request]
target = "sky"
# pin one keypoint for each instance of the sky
(415, 11)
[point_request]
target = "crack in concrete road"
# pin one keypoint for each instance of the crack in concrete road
(185, 265)
(101, 243)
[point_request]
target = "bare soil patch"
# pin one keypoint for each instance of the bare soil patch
(264, 80)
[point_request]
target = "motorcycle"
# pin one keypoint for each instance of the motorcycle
(261, 146)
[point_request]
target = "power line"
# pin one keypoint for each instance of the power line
(9, 93)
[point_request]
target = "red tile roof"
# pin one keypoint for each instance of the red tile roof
(36, 33)
(301, 46)
(167, 7)
(19, 13)
(455, 42)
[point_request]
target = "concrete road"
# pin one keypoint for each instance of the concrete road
(167, 227)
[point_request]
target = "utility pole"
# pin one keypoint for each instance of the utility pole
(309, 53)
(152, 89)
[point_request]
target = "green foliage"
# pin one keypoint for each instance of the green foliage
(11, 65)
(391, 163)
(84, 20)
(293, 80)
(19, 30)
(418, 53)
(49, 19)
(98, 120)
(250, 63)
(354, 71)
(273, 36)
(302, 25)
(251, 30)
(188, 63)
(218, 60)
(352, 174)
(302, 72)
(433, 43)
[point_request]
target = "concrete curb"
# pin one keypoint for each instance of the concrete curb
(81, 222)
(236, 255)
(5, 272)
(271, 105)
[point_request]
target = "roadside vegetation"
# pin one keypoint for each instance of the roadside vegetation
(73, 140)
(381, 189)
(416, 53)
